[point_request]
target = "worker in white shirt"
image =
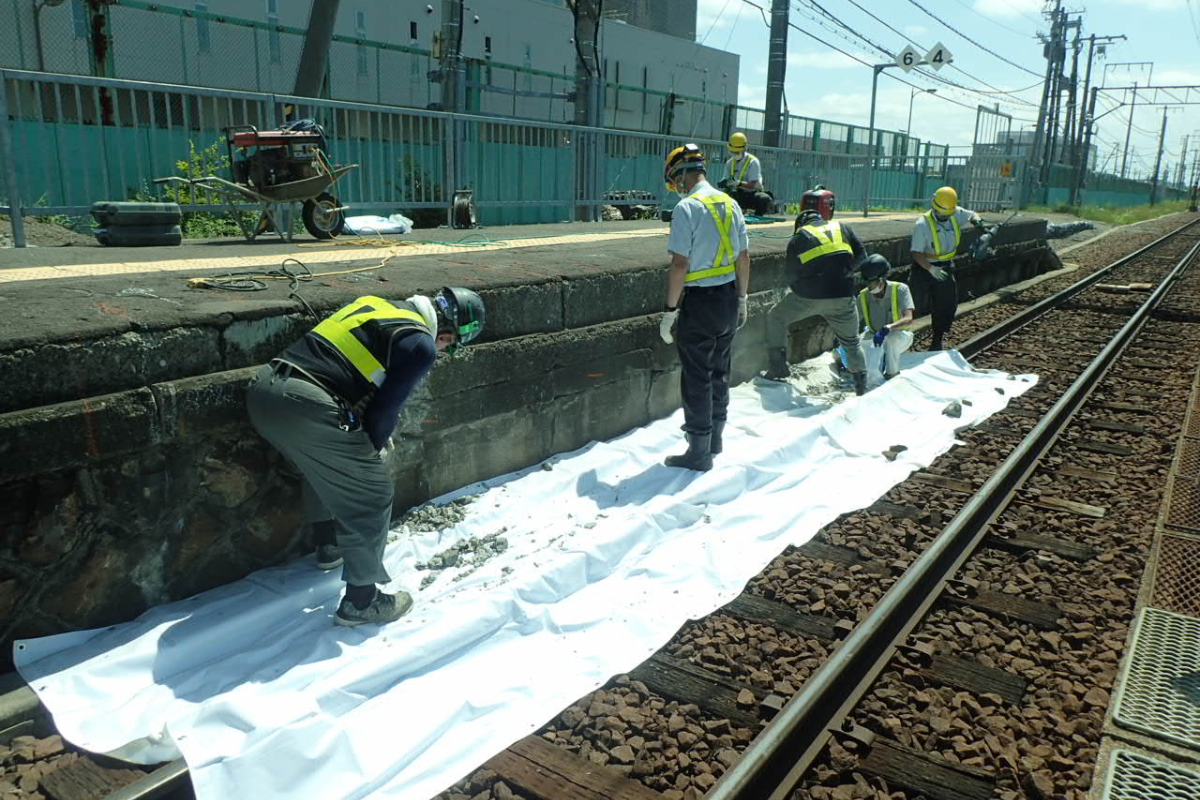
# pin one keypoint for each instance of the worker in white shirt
(743, 179)
(936, 237)
(886, 308)
(707, 284)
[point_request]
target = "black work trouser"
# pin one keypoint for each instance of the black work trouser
(760, 203)
(704, 336)
(941, 297)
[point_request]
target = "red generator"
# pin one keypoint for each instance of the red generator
(819, 199)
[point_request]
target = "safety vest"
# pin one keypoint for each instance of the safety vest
(724, 229)
(742, 172)
(355, 332)
(866, 311)
(829, 239)
(938, 255)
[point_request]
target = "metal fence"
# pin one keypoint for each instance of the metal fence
(77, 140)
(194, 47)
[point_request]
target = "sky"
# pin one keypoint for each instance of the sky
(824, 83)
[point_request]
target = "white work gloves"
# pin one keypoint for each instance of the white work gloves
(385, 452)
(938, 273)
(743, 312)
(666, 324)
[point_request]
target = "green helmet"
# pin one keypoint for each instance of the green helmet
(462, 309)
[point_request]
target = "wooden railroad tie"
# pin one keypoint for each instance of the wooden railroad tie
(1037, 614)
(926, 773)
(1108, 448)
(547, 772)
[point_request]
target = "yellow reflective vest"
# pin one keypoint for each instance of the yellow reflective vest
(829, 240)
(362, 332)
(938, 253)
(866, 311)
(725, 250)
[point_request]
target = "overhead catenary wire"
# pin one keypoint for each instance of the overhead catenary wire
(972, 41)
(1011, 93)
(892, 55)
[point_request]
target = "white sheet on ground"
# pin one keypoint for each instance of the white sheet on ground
(610, 552)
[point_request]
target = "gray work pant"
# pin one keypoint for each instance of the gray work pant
(344, 480)
(840, 313)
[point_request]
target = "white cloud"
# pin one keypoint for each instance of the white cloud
(1007, 9)
(832, 60)
(714, 14)
(1154, 5)
(916, 30)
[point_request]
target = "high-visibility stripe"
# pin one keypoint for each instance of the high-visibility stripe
(866, 310)
(938, 255)
(827, 243)
(724, 229)
(338, 330)
(745, 166)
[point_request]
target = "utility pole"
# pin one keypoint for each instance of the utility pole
(1083, 129)
(1050, 51)
(453, 69)
(1162, 140)
(776, 71)
(1068, 134)
(314, 55)
(589, 103)
(1128, 130)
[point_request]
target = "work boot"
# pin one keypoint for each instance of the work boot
(328, 556)
(777, 368)
(715, 444)
(698, 455)
(860, 383)
(384, 608)
(936, 342)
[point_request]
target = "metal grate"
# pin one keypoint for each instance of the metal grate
(1189, 458)
(1133, 776)
(1183, 510)
(1177, 576)
(1158, 691)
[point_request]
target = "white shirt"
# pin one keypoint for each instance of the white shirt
(694, 235)
(922, 241)
(733, 168)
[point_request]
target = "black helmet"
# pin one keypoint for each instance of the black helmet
(875, 267)
(462, 310)
(808, 216)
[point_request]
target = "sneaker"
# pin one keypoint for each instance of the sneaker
(384, 608)
(328, 556)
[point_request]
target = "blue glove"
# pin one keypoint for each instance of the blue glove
(880, 335)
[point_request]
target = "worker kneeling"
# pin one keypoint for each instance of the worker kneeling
(743, 179)
(886, 307)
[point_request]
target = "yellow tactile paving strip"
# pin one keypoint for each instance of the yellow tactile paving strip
(311, 256)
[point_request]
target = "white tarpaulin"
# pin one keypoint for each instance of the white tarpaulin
(609, 553)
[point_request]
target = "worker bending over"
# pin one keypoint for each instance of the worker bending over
(935, 240)
(329, 403)
(886, 308)
(743, 179)
(820, 262)
(706, 294)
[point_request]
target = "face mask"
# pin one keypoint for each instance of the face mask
(879, 292)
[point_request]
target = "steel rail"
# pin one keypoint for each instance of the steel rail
(771, 767)
(987, 338)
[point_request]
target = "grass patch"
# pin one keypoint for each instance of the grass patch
(1123, 215)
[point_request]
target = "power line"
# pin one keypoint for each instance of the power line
(972, 41)
(887, 52)
(952, 66)
(864, 63)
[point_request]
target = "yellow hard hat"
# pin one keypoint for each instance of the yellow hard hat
(737, 142)
(945, 200)
(679, 160)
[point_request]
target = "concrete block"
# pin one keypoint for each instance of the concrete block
(612, 296)
(195, 407)
(602, 413)
(61, 372)
(455, 457)
(523, 310)
(70, 435)
(590, 374)
(245, 342)
(664, 398)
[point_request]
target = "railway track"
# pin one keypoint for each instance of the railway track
(957, 639)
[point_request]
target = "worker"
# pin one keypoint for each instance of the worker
(329, 403)
(707, 283)
(935, 240)
(886, 308)
(743, 179)
(819, 265)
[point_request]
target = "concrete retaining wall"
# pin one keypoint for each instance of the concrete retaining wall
(131, 477)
